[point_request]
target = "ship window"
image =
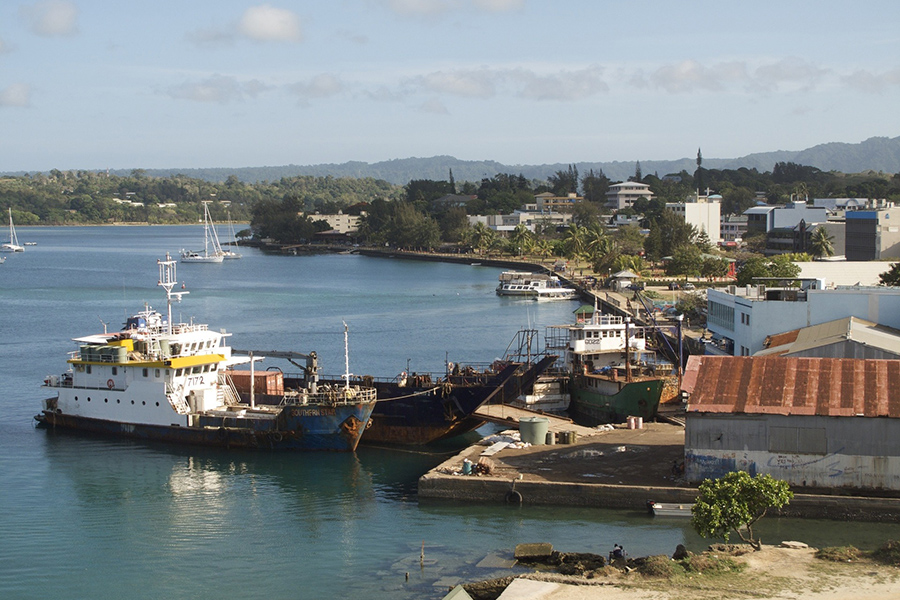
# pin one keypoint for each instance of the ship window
(157, 373)
(195, 370)
(115, 370)
(146, 372)
(178, 373)
(89, 368)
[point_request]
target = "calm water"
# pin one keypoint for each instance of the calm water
(85, 517)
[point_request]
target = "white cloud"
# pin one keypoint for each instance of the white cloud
(564, 85)
(321, 86)
(18, 94)
(791, 72)
(470, 84)
(433, 106)
(499, 5)
(265, 23)
(438, 7)
(220, 89)
(866, 81)
(690, 76)
(51, 18)
(487, 83)
(423, 7)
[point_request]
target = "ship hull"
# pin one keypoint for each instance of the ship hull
(597, 400)
(327, 428)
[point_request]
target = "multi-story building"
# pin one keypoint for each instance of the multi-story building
(732, 228)
(533, 220)
(701, 211)
(740, 318)
(873, 234)
(623, 195)
(548, 202)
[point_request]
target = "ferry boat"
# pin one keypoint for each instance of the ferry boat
(609, 379)
(175, 382)
(519, 283)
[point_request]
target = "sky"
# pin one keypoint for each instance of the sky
(96, 84)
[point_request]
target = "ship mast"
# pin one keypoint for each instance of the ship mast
(168, 280)
(346, 357)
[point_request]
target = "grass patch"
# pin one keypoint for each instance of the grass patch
(711, 564)
(888, 553)
(660, 566)
(839, 554)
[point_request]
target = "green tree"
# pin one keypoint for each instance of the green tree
(713, 267)
(779, 267)
(735, 502)
(595, 186)
(891, 277)
(563, 183)
(820, 243)
(686, 260)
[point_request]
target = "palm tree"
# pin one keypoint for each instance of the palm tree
(522, 239)
(574, 241)
(482, 236)
(820, 243)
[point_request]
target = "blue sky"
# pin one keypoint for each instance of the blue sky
(91, 84)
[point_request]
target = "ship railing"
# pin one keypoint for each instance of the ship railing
(467, 373)
(176, 399)
(339, 394)
(228, 394)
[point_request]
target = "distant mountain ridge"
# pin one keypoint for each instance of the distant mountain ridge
(876, 153)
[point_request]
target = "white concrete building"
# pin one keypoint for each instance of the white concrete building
(740, 318)
(340, 223)
(622, 195)
(703, 212)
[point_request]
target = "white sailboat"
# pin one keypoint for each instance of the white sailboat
(13, 245)
(212, 251)
(231, 254)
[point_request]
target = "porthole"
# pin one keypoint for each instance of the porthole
(157, 403)
(76, 398)
(106, 399)
(132, 401)
(118, 401)
(144, 402)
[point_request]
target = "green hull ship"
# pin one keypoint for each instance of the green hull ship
(598, 399)
(612, 373)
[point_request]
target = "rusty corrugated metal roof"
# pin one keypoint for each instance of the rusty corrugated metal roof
(835, 387)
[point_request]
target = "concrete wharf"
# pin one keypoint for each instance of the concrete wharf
(506, 414)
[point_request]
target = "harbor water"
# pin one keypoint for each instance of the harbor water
(88, 517)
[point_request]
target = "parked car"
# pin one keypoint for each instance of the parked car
(689, 286)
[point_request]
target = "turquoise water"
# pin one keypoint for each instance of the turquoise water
(86, 517)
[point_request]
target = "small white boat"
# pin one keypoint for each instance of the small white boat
(555, 293)
(212, 251)
(31, 243)
(669, 509)
(519, 283)
(2, 259)
(13, 244)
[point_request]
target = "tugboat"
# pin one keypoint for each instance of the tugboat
(159, 380)
(612, 374)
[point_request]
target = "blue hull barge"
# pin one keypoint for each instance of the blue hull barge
(155, 380)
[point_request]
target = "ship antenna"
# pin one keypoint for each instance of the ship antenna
(168, 280)
(346, 357)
